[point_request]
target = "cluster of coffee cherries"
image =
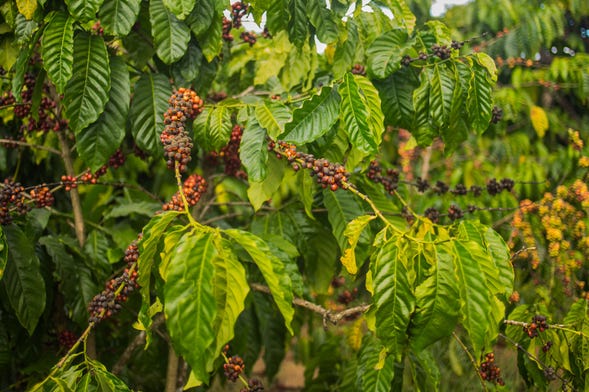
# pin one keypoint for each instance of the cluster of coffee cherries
(185, 105)
(443, 52)
(233, 367)
(496, 114)
(347, 296)
(248, 37)
(390, 181)
(42, 196)
(192, 188)
(67, 339)
(88, 177)
(230, 154)
(238, 10)
(253, 385)
(538, 324)
(359, 69)
(329, 175)
(489, 371)
(117, 290)
(12, 199)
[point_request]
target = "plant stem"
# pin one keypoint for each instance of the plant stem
(472, 360)
(172, 372)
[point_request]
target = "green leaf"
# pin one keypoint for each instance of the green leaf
(126, 208)
(260, 192)
(189, 301)
(402, 13)
(150, 101)
(180, 8)
(272, 269)
(437, 300)
(352, 233)
(273, 116)
(393, 298)
(74, 277)
(374, 374)
(212, 128)
(396, 93)
(170, 35)
(355, 115)
(230, 290)
(208, 27)
(501, 257)
(148, 249)
(457, 131)
(345, 52)
(101, 139)
(385, 53)
(422, 129)
(324, 21)
(57, 50)
(253, 150)
(578, 319)
(475, 297)
(424, 371)
(118, 16)
(23, 282)
(480, 101)
(87, 91)
(3, 253)
(342, 208)
(83, 10)
(297, 24)
(21, 65)
(314, 118)
(201, 17)
(373, 105)
(442, 82)
(272, 331)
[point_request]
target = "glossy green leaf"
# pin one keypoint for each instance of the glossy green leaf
(189, 300)
(297, 23)
(150, 101)
(342, 208)
(458, 128)
(375, 371)
(475, 297)
(253, 150)
(180, 8)
(273, 116)
(425, 371)
(170, 35)
(501, 257)
(230, 290)
(355, 115)
(272, 333)
(272, 269)
(385, 53)
(402, 13)
(480, 101)
(87, 90)
(260, 192)
(352, 233)
(578, 319)
(83, 10)
(212, 128)
(437, 301)
(373, 105)
(314, 118)
(209, 31)
(118, 16)
(396, 94)
(422, 130)
(57, 50)
(323, 20)
(148, 249)
(101, 139)
(23, 282)
(442, 82)
(393, 298)
(3, 253)
(201, 17)
(345, 52)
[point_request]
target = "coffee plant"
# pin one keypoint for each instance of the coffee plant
(194, 192)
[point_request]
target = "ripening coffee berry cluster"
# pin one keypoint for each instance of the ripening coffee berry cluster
(253, 385)
(230, 154)
(42, 196)
(390, 181)
(67, 339)
(12, 199)
(192, 188)
(117, 290)
(329, 175)
(233, 368)
(538, 324)
(359, 69)
(489, 371)
(185, 105)
(238, 11)
(441, 51)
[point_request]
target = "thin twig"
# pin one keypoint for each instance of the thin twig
(472, 360)
(34, 146)
(328, 315)
(561, 327)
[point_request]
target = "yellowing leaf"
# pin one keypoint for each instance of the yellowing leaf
(348, 260)
(352, 233)
(355, 334)
(539, 120)
(27, 8)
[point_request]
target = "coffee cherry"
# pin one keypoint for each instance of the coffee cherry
(496, 114)
(42, 196)
(454, 212)
(489, 371)
(67, 339)
(443, 52)
(233, 368)
(359, 69)
(253, 385)
(193, 188)
(432, 214)
(248, 37)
